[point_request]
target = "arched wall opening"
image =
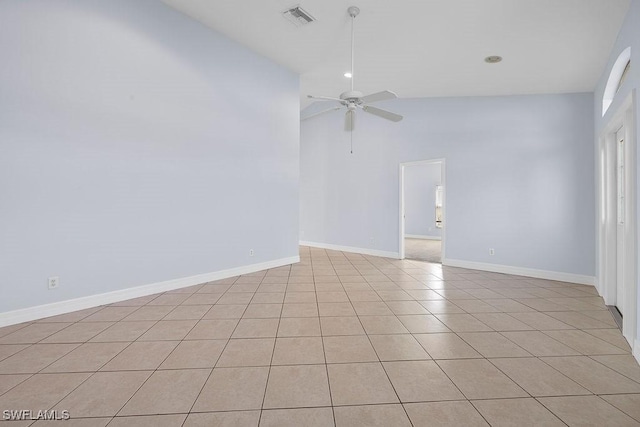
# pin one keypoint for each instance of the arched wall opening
(616, 77)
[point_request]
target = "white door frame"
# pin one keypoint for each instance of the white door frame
(607, 216)
(444, 203)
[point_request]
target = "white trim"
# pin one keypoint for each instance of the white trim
(401, 215)
(421, 237)
(636, 349)
(363, 251)
(522, 271)
(62, 307)
(423, 162)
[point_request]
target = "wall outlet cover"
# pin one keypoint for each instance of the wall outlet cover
(53, 282)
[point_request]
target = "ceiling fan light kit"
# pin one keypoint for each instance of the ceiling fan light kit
(353, 100)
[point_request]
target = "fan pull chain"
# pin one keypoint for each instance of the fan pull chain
(351, 141)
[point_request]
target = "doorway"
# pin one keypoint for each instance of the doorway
(422, 207)
(617, 246)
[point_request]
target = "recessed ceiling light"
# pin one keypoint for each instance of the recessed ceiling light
(494, 59)
(348, 75)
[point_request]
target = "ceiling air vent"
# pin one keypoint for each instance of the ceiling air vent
(298, 17)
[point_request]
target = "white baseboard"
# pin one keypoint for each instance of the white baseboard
(522, 271)
(62, 307)
(636, 349)
(421, 237)
(363, 251)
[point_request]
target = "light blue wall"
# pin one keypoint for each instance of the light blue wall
(420, 199)
(629, 36)
(519, 176)
(137, 146)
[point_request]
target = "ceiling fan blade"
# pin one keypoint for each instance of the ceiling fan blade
(320, 113)
(383, 113)
(350, 121)
(324, 98)
(379, 96)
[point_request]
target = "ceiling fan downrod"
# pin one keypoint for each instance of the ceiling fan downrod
(353, 12)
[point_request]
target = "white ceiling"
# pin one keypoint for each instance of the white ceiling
(427, 48)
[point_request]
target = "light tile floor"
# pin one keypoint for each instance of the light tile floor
(423, 250)
(338, 339)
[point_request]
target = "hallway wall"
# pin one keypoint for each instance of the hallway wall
(420, 183)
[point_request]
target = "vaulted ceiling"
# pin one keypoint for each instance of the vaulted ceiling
(427, 48)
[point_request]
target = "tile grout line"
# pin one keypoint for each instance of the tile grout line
(160, 364)
(92, 373)
(551, 411)
(381, 364)
(273, 350)
(204, 384)
(590, 356)
(324, 353)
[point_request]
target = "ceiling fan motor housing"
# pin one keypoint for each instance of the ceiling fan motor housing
(352, 96)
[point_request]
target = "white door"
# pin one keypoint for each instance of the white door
(620, 222)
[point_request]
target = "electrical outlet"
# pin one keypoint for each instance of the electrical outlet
(250, 252)
(54, 282)
(373, 239)
(492, 251)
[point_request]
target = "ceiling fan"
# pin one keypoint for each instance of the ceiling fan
(352, 100)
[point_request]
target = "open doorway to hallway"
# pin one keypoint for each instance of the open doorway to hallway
(422, 210)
